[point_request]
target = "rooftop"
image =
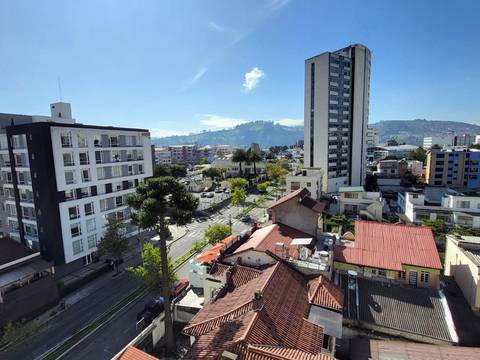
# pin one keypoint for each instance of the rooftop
(11, 250)
(389, 246)
(280, 324)
(343, 189)
(411, 310)
(132, 353)
(214, 252)
(304, 199)
(323, 292)
(268, 237)
(364, 349)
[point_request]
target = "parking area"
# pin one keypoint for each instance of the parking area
(209, 199)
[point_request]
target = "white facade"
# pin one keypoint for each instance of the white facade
(232, 169)
(305, 178)
(373, 137)
(336, 115)
(101, 158)
(357, 201)
(429, 141)
(162, 156)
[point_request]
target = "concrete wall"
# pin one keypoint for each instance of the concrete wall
(294, 214)
(251, 258)
(464, 271)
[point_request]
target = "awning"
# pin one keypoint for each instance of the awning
(302, 241)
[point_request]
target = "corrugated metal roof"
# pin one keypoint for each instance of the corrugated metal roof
(389, 246)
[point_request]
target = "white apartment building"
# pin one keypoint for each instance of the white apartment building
(456, 208)
(311, 179)
(162, 156)
(232, 169)
(354, 200)
(429, 141)
(372, 137)
(64, 180)
(337, 87)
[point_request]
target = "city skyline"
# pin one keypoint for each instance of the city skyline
(134, 64)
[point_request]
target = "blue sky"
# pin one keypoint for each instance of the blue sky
(182, 66)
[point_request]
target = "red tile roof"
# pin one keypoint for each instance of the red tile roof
(266, 238)
(389, 246)
(325, 293)
(132, 353)
(304, 199)
(262, 352)
(230, 321)
(213, 253)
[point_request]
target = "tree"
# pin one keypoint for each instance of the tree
(239, 156)
(238, 196)
(418, 154)
(178, 170)
(337, 221)
(159, 202)
(253, 157)
(474, 146)
(392, 142)
(213, 173)
(217, 232)
(162, 170)
(276, 172)
(113, 243)
(439, 228)
(262, 187)
(204, 161)
(436, 147)
(237, 183)
(371, 183)
(151, 273)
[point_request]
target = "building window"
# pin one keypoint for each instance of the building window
(139, 155)
(73, 212)
(84, 158)
(99, 158)
(115, 156)
(89, 210)
(70, 195)
(117, 186)
(424, 277)
(75, 229)
(97, 141)
(129, 155)
(140, 168)
(68, 159)
(130, 170)
(85, 192)
(463, 204)
(114, 141)
(66, 139)
(77, 246)
(294, 185)
(86, 175)
(70, 177)
(116, 171)
(101, 173)
(118, 200)
(24, 178)
(82, 140)
(103, 205)
(91, 226)
(402, 275)
(92, 241)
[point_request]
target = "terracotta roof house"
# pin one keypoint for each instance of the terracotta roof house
(299, 211)
(215, 251)
(267, 317)
(401, 253)
(273, 239)
(132, 353)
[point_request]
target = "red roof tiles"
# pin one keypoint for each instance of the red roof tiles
(325, 293)
(213, 253)
(132, 353)
(300, 192)
(304, 199)
(388, 246)
(230, 321)
(266, 238)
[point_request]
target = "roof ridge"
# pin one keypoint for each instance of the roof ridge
(244, 309)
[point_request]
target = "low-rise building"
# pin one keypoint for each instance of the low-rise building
(232, 169)
(398, 151)
(415, 168)
(354, 200)
(442, 141)
(162, 156)
(185, 154)
(308, 178)
(390, 252)
(27, 286)
(462, 262)
(457, 208)
(247, 320)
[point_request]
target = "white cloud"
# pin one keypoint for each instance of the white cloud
(277, 4)
(289, 122)
(232, 33)
(218, 121)
(198, 75)
(252, 78)
(215, 27)
(158, 133)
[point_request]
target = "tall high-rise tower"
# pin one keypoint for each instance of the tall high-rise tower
(337, 88)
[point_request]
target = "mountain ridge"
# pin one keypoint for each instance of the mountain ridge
(267, 133)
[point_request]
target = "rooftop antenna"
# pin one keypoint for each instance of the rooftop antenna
(59, 89)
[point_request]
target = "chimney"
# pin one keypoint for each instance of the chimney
(257, 301)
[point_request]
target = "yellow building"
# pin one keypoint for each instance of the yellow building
(462, 261)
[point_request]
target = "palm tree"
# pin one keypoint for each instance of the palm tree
(159, 202)
(253, 157)
(239, 156)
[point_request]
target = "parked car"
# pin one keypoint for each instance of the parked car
(246, 218)
(179, 287)
(218, 190)
(210, 195)
(227, 191)
(151, 310)
(203, 195)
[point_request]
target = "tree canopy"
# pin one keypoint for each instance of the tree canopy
(239, 196)
(175, 170)
(213, 173)
(240, 156)
(113, 243)
(217, 232)
(276, 171)
(235, 183)
(418, 154)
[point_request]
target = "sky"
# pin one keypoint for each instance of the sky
(177, 67)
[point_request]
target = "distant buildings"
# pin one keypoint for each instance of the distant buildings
(463, 140)
(190, 153)
(429, 141)
(354, 200)
(308, 178)
(62, 181)
(372, 137)
(232, 169)
(163, 156)
(450, 167)
(337, 88)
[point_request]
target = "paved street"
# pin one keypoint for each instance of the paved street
(105, 292)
